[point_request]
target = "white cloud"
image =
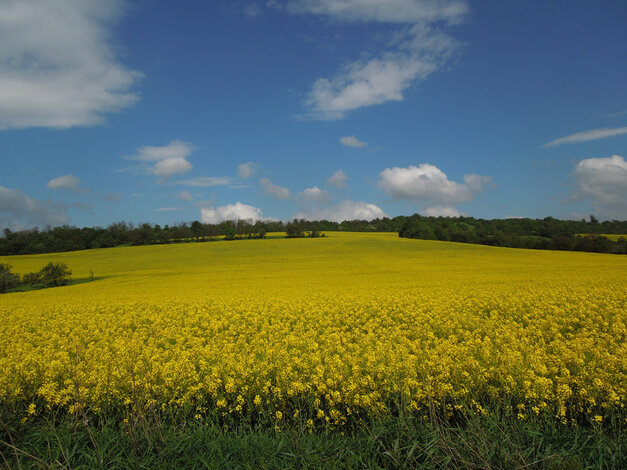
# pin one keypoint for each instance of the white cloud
(316, 195)
(167, 161)
(427, 183)
(57, 65)
(585, 136)
(415, 51)
(168, 209)
(388, 11)
(441, 211)
(604, 182)
(237, 211)
(246, 170)
(67, 182)
(273, 190)
(184, 195)
(338, 179)
(345, 210)
(19, 211)
(352, 141)
(208, 181)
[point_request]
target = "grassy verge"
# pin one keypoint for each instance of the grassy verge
(477, 442)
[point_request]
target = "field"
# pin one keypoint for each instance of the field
(320, 336)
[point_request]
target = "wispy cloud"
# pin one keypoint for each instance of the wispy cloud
(352, 141)
(416, 50)
(585, 136)
(68, 183)
(184, 195)
(168, 209)
(57, 65)
(274, 190)
(208, 181)
(246, 170)
(338, 179)
(18, 210)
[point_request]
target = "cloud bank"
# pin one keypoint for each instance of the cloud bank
(57, 66)
(603, 181)
(18, 211)
(237, 211)
(428, 185)
(345, 210)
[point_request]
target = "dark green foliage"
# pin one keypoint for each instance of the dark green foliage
(55, 274)
(545, 234)
(31, 278)
(400, 442)
(8, 280)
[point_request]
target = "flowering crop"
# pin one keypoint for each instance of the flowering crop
(324, 332)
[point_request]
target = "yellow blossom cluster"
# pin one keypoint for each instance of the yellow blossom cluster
(325, 331)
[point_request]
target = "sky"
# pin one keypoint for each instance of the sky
(167, 112)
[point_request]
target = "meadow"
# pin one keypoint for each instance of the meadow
(322, 337)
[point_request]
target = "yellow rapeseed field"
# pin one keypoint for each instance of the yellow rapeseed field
(324, 332)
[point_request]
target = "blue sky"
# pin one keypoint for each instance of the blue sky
(162, 112)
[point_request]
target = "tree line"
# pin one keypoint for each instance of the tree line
(66, 238)
(543, 234)
(547, 233)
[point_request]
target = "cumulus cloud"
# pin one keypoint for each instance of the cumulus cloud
(603, 181)
(246, 170)
(316, 195)
(57, 64)
(352, 141)
(237, 211)
(427, 183)
(207, 181)
(338, 179)
(273, 190)
(68, 183)
(184, 195)
(165, 161)
(345, 210)
(416, 50)
(19, 211)
(585, 136)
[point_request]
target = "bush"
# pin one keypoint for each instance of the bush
(55, 274)
(8, 280)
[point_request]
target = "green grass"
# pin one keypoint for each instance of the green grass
(391, 443)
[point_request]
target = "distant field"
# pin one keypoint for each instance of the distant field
(322, 331)
(611, 236)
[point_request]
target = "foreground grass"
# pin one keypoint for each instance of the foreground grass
(392, 442)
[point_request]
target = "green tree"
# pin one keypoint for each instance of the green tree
(31, 278)
(8, 280)
(55, 274)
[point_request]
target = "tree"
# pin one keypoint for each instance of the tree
(31, 278)
(8, 280)
(55, 274)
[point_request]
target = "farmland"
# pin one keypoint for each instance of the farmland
(321, 335)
